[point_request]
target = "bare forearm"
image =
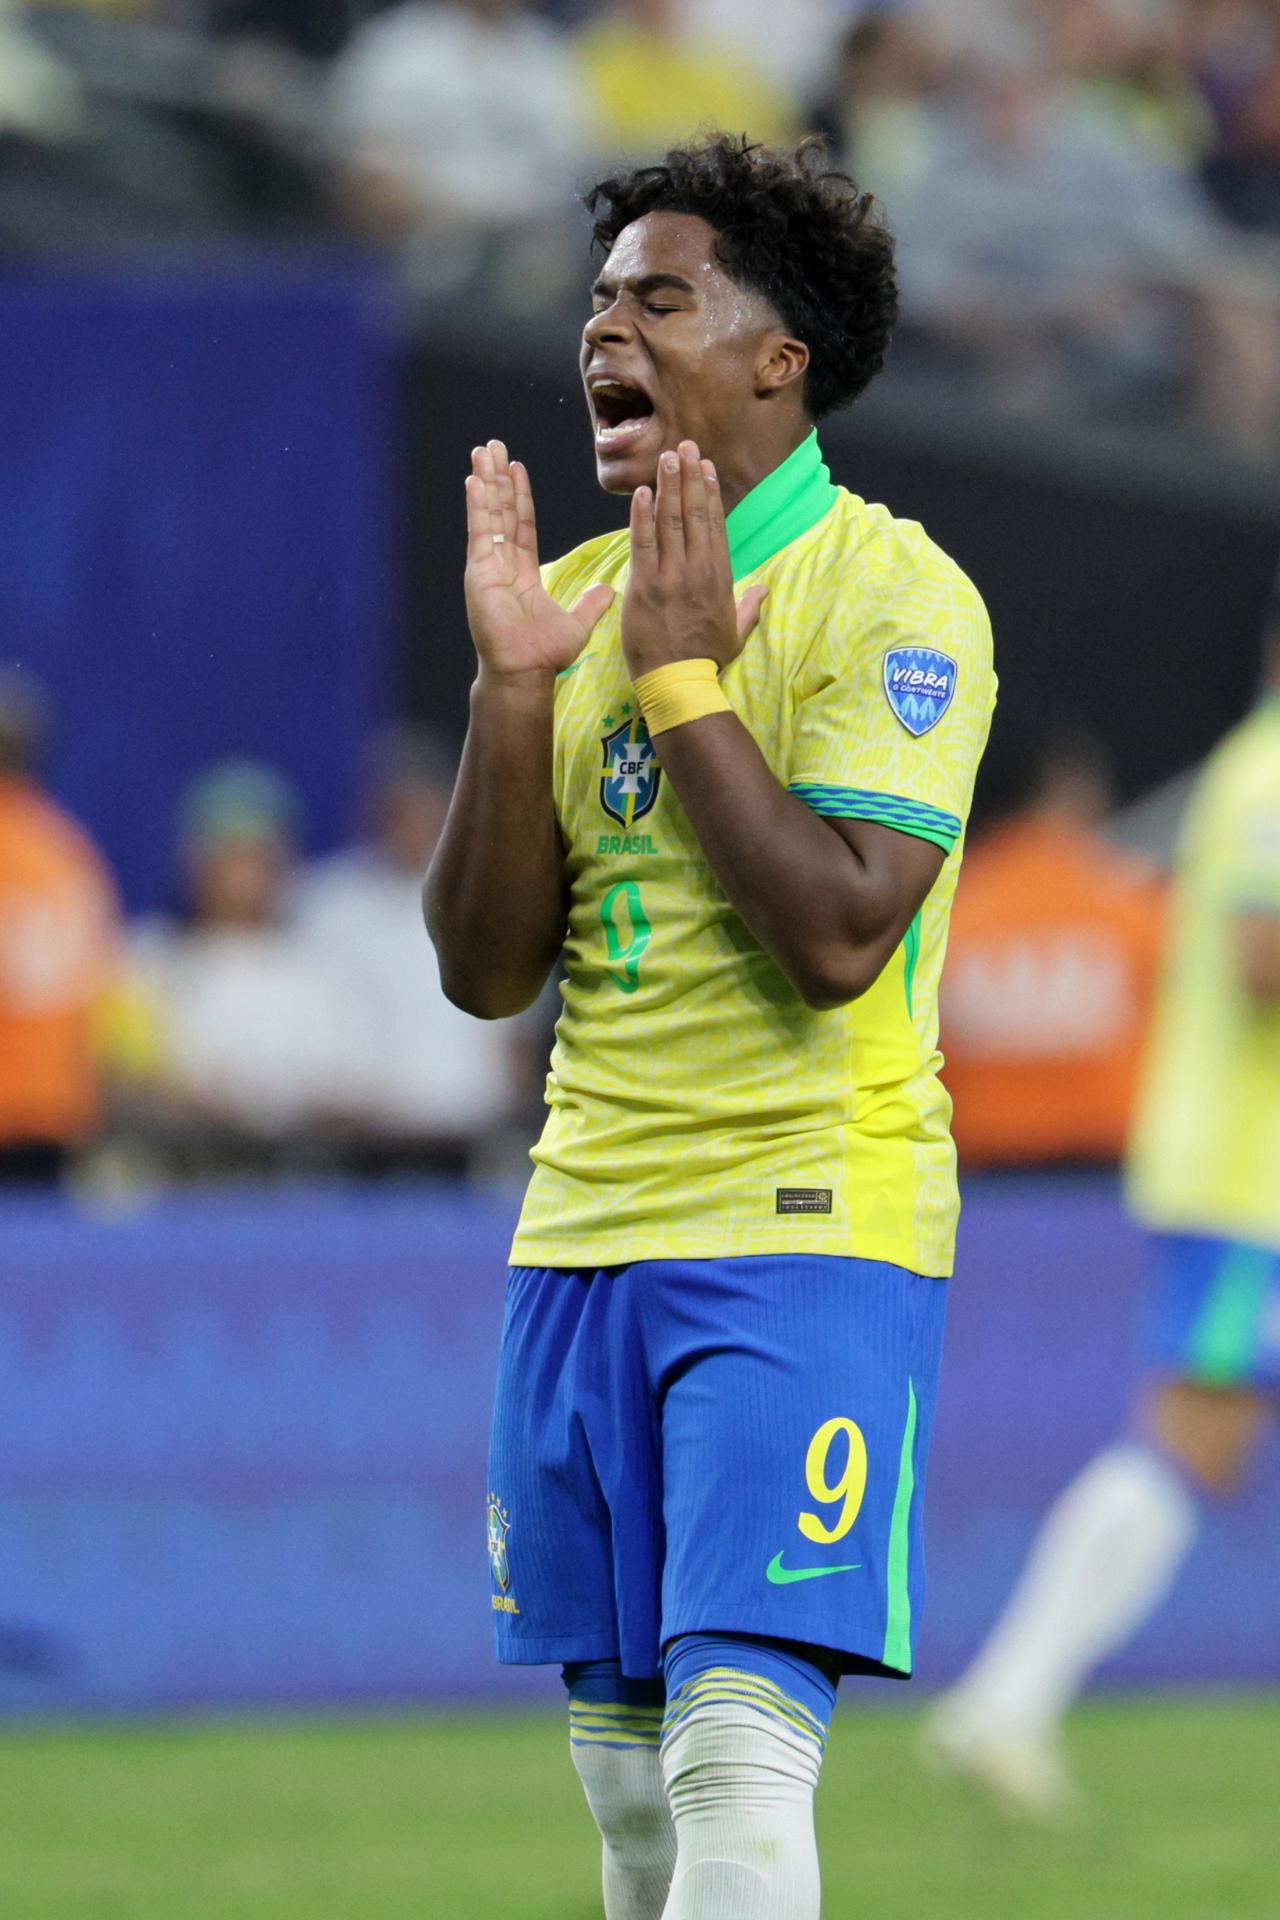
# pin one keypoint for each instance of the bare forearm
(494, 897)
(829, 916)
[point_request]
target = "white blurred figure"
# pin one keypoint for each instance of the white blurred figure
(261, 1041)
(433, 1076)
(39, 97)
(794, 45)
(457, 127)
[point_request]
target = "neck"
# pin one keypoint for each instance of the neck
(790, 499)
(741, 473)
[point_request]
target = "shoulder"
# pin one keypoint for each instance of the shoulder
(44, 836)
(897, 586)
(1244, 769)
(1235, 812)
(604, 558)
(331, 883)
(896, 556)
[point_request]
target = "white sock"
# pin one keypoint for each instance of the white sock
(741, 1785)
(1104, 1559)
(620, 1767)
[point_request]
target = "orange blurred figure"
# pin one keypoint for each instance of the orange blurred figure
(1055, 943)
(59, 923)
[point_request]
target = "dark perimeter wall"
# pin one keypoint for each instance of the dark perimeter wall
(1126, 582)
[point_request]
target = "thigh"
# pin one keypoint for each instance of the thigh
(797, 1408)
(548, 1526)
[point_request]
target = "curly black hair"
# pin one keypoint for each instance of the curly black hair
(790, 227)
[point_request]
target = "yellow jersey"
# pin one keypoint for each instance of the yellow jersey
(698, 1108)
(1205, 1153)
(646, 91)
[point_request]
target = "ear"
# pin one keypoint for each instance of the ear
(782, 362)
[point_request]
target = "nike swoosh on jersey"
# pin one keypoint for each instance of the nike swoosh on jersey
(785, 1576)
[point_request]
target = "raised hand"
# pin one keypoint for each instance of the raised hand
(517, 627)
(679, 601)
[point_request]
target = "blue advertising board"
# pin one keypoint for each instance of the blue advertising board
(242, 1446)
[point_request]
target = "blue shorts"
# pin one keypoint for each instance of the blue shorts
(712, 1446)
(1214, 1311)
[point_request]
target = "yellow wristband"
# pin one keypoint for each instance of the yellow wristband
(686, 690)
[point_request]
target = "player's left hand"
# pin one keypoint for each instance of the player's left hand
(679, 601)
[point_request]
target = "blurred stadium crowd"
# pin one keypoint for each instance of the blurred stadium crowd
(287, 1018)
(1087, 192)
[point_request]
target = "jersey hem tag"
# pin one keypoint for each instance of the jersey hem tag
(804, 1199)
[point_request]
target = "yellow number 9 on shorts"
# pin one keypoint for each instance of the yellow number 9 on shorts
(849, 1487)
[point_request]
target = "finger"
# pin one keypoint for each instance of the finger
(644, 533)
(693, 504)
(479, 533)
(669, 516)
(506, 488)
(594, 603)
(749, 609)
(717, 533)
(487, 471)
(526, 519)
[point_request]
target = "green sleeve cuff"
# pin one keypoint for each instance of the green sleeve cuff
(886, 809)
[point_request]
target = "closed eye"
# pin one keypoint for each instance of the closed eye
(602, 306)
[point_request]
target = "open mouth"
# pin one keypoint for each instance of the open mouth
(623, 414)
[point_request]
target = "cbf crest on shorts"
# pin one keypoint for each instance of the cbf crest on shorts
(921, 685)
(499, 1528)
(629, 783)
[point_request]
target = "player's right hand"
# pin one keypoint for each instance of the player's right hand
(518, 629)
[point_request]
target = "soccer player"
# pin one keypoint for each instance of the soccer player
(1204, 1176)
(720, 764)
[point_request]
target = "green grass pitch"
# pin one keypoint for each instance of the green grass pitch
(480, 1819)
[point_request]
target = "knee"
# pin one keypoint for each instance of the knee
(1210, 1433)
(619, 1783)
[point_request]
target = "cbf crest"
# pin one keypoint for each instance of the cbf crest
(921, 685)
(629, 782)
(499, 1528)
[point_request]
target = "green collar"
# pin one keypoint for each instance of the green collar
(787, 502)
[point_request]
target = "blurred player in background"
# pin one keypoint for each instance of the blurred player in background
(59, 946)
(721, 763)
(262, 1046)
(1205, 1177)
(436, 1086)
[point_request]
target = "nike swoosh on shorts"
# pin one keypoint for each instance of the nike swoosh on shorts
(784, 1576)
